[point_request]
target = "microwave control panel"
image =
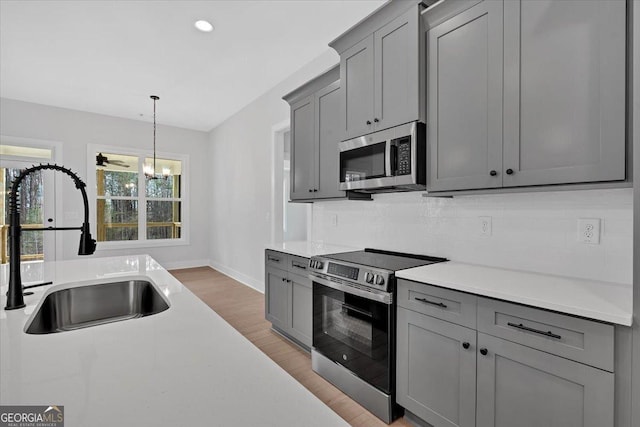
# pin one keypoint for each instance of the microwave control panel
(403, 158)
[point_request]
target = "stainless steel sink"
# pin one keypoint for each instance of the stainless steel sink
(91, 305)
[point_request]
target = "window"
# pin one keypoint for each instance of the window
(133, 210)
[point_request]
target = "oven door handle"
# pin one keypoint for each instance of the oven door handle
(383, 297)
(357, 310)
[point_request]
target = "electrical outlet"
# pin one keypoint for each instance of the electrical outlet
(589, 230)
(485, 226)
(334, 220)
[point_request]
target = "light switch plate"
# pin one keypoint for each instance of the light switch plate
(334, 220)
(589, 230)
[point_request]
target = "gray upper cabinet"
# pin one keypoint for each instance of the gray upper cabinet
(525, 93)
(316, 112)
(356, 75)
(328, 107)
(564, 91)
(524, 387)
(464, 102)
(302, 148)
(381, 70)
(397, 74)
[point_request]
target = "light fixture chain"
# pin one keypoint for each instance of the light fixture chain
(154, 135)
(152, 174)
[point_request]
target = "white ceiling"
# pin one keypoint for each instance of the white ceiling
(107, 57)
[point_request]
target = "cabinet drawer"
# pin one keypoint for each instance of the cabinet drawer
(445, 304)
(298, 264)
(578, 339)
(276, 259)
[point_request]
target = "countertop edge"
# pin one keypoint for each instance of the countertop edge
(420, 275)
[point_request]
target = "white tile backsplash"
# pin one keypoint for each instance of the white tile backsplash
(530, 231)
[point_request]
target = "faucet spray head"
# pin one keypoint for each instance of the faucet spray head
(87, 244)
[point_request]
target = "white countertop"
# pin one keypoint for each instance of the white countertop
(608, 302)
(309, 249)
(182, 367)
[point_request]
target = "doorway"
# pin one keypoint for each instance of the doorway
(290, 221)
(36, 198)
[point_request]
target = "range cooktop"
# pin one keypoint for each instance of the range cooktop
(387, 260)
(371, 268)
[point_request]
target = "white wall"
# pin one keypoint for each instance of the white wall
(75, 129)
(241, 169)
(530, 231)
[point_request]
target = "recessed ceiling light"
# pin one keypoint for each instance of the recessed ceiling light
(204, 26)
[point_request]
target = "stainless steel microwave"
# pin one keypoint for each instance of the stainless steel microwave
(389, 160)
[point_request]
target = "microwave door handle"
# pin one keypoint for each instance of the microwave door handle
(394, 159)
(387, 159)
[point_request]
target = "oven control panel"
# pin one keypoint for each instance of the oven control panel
(345, 271)
(367, 277)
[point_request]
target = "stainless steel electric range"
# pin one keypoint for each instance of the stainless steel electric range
(354, 323)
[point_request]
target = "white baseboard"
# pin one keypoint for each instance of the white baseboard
(178, 265)
(240, 277)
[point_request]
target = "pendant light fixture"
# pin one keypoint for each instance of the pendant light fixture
(149, 170)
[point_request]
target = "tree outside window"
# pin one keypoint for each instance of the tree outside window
(125, 213)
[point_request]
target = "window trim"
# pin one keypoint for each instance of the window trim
(92, 149)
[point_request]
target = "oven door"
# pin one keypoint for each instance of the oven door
(355, 332)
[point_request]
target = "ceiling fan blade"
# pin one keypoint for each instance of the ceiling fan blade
(117, 163)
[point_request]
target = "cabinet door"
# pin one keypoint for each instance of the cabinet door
(356, 79)
(328, 111)
(464, 100)
(302, 149)
(520, 386)
(301, 294)
(564, 95)
(436, 374)
(276, 297)
(396, 71)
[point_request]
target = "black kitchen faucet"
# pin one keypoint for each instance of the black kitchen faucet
(15, 297)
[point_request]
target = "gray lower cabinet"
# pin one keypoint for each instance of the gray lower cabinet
(524, 387)
(436, 369)
(276, 297)
(300, 298)
(288, 296)
(525, 93)
(450, 375)
(315, 132)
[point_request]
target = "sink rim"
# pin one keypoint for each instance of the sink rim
(87, 283)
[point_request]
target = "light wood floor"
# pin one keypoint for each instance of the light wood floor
(243, 308)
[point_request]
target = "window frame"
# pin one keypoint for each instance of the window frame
(142, 241)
